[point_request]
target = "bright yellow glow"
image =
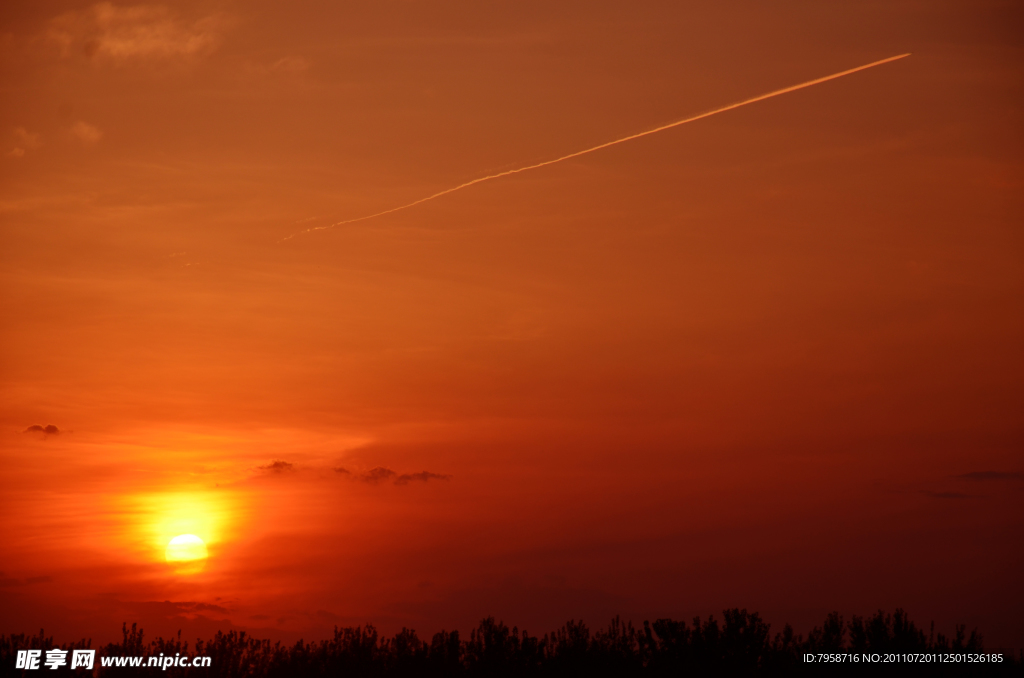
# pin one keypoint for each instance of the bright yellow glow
(183, 529)
(185, 547)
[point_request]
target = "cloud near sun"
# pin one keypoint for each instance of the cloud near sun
(379, 474)
(373, 476)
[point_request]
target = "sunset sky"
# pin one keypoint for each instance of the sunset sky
(770, 359)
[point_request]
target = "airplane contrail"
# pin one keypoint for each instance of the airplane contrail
(677, 123)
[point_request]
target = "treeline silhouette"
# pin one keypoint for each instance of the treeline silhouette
(740, 645)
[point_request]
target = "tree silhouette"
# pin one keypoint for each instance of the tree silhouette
(741, 644)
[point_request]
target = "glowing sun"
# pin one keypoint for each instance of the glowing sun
(185, 548)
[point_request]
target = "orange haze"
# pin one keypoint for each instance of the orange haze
(769, 359)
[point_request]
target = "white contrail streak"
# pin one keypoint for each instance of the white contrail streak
(707, 114)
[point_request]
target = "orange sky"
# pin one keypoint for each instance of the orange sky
(770, 359)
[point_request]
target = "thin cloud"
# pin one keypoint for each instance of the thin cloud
(290, 64)
(10, 582)
(86, 133)
(278, 466)
(377, 475)
(24, 141)
(49, 429)
(173, 609)
(140, 31)
(946, 495)
(381, 474)
(423, 476)
(991, 475)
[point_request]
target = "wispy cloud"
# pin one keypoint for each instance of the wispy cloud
(290, 64)
(278, 466)
(10, 582)
(946, 495)
(423, 477)
(172, 609)
(992, 475)
(24, 141)
(139, 31)
(86, 133)
(377, 475)
(49, 429)
(380, 474)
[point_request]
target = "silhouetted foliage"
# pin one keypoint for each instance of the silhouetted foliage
(741, 644)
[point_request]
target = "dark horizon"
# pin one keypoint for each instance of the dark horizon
(737, 642)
